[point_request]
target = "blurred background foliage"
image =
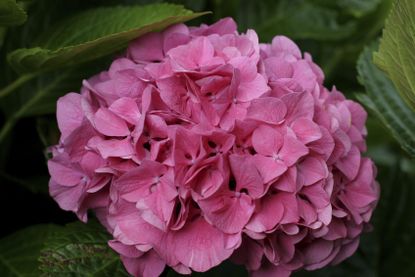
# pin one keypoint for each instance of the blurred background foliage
(335, 32)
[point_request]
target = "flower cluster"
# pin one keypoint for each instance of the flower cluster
(201, 145)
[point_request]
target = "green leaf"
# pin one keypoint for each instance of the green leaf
(11, 13)
(396, 55)
(95, 33)
(304, 20)
(386, 103)
(358, 8)
(19, 252)
(80, 250)
(394, 222)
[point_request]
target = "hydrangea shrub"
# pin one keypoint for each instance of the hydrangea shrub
(200, 144)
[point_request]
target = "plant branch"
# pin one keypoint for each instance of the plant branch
(16, 84)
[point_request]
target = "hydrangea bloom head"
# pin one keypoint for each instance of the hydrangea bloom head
(201, 145)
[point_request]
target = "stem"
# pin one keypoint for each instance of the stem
(6, 129)
(10, 122)
(16, 84)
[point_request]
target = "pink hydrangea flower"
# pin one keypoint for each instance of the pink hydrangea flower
(201, 145)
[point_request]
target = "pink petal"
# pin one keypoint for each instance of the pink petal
(269, 168)
(284, 45)
(127, 109)
(200, 246)
(148, 265)
(248, 254)
(350, 164)
(64, 174)
(292, 150)
(266, 140)
(267, 109)
(69, 113)
(247, 176)
(109, 124)
(148, 48)
(306, 130)
(267, 216)
(317, 251)
(227, 211)
(116, 148)
(312, 170)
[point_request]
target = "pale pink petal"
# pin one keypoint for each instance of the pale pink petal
(69, 113)
(284, 45)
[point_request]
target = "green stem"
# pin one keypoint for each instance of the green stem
(6, 129)
(10, 122)
(16, 84)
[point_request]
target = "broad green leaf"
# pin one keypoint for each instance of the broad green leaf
(81, 250)
(386, 103)
(11, 13)
(19, 252)
(358, 8)
(95, 33)
(396, 55)
(304, 20)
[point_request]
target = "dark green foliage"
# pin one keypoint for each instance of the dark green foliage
(46, 51)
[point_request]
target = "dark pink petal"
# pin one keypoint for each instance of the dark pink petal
(317, 251)
(147, 48)
(346, 251)
(248, 254)
(268, 269)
